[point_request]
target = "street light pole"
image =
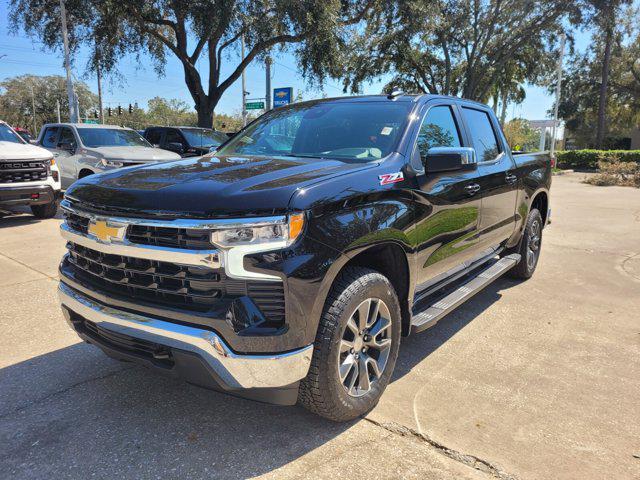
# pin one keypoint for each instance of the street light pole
(244, 85)
(557, 102)
(100, 112)
(267, 69)
(73, 114)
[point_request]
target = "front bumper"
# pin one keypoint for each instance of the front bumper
(193, 349)
(27, 195)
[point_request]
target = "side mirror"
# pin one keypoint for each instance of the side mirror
(175, 147)
(67, 147)
(448, 159)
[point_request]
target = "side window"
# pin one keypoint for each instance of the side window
(66, 136)
(153, 136)
(482, 134)
(173, 136)
(49, 137)
(438, 130)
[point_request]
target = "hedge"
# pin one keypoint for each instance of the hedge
(588, 159)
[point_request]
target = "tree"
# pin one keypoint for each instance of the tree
(606, 15)
(520, 136)
(459, 47)
(580, 104)
(190, 30)
(16, 101)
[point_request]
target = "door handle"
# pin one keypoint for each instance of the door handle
(510, 178)
(472, 188)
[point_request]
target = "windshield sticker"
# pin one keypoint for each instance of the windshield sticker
(389, 178)
(386, 131)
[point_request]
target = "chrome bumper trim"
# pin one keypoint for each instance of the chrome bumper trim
(207, 258)
(235, 371)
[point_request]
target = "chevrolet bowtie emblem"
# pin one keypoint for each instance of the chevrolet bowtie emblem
(106, 231)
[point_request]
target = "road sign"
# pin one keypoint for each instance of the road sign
(91, 120)
(254, 105)
(282, 96)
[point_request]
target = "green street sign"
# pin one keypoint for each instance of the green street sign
(254, 105)
(91, 120)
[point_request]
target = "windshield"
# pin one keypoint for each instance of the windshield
(360, 131)
(201, 137)
(111, 137)
(8, 135)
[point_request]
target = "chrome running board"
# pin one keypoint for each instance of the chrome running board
(430, 316)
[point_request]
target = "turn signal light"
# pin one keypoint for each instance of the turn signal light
(296, 222)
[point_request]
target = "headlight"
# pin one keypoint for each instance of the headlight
(280, 234)
(111, 163)
(51, 161)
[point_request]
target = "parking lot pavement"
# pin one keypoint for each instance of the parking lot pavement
(528, 380)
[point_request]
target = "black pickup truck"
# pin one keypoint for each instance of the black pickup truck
(287, 266)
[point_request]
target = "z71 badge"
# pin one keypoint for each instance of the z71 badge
(389, 178)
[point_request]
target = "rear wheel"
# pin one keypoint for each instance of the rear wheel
(47, 210)
(356, 346)
(529, 247)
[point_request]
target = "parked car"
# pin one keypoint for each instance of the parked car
(82, 149)
(28, 175)
(24, 134)
(287, 266)
(186, 141)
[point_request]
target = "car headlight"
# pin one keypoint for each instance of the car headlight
(111, 163)
(279, 234)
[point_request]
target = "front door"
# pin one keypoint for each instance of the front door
(66, 156)
(496, 177)
(447, 203)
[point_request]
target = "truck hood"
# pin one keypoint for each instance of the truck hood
(22, 151)
(208, 186)
(135, 154)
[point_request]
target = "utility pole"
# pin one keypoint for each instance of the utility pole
(33, 110)
(558, 87)
(100, 113)
(267, 70)
(244, 85)
(58, 110)
(73, 114)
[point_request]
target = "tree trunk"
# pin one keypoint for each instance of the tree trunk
(602, 103)
(503, 113)
(204, 108)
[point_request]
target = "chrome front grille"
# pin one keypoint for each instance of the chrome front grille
(170, 264)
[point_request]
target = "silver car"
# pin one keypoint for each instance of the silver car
(84, 149)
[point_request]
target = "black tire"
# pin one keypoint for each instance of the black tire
(529, 247)
(47, 210)
(322, 391)
(84, 173)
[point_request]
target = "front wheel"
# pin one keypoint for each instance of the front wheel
(356, 346)
(529, 247)
(48, 210)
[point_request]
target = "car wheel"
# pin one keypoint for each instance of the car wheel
(48, 210)
(529, 247)
(356, 346)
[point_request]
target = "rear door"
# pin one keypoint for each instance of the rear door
(496, 177)
(447, 210)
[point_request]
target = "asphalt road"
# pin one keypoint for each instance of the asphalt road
(534, 380)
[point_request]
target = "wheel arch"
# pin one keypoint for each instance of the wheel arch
(388, 258)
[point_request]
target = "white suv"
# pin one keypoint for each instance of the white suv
(28, 175)
(84, 149)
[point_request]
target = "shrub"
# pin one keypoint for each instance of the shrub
(625, 174)
(589, 159)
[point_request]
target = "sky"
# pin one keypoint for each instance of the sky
(21, 55)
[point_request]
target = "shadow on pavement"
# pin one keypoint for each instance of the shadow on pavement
(75, 413)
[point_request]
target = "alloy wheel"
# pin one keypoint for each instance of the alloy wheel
(365, 347)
